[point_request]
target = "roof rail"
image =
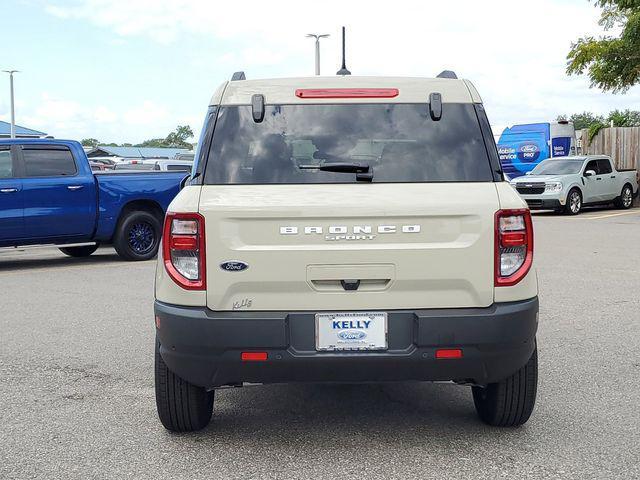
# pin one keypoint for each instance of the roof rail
(238, 76)
(448, 74)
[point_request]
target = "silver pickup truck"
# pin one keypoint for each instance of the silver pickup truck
(568, 183)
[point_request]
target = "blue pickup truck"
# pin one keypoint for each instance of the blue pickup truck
(49, 195)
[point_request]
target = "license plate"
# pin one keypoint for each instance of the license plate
(351, 331)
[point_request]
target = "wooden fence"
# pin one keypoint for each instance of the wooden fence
(622, 144)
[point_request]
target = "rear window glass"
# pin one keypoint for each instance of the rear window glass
(399, 142)
(48, 162)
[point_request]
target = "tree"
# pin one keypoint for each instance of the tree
(612, 62)
(90, 142)
(594, 123)
(179, 137)
(581, 120)
(154, 142)
(176, 139)
(626, 118)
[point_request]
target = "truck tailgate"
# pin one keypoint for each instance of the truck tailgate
(424, 245)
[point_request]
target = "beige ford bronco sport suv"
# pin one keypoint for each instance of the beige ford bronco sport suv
(346, 229)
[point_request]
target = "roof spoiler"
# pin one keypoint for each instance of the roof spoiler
(448, 74)
(238, 76)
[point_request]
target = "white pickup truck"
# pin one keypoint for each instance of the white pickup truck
(568, 183)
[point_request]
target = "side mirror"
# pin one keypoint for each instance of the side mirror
(589, 173)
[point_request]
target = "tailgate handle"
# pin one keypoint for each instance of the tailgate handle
(350, 284)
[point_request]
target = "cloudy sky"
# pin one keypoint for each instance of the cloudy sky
(128, 70)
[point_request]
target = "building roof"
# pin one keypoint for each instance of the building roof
(283, 90)
(5, 129)
(136, 152)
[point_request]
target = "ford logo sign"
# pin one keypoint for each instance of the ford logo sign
(233, 266)
(529, 148)
(352, 335)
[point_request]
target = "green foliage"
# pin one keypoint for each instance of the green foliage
(154, 142)
(611, 62)
(179, 137)
(90, 142)
(176, 139)
(594, 129)
(585, 120)
(626, 118)
(594, 123)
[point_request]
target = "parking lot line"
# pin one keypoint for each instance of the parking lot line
(608, 215)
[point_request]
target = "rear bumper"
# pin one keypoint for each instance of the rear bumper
(204, 347)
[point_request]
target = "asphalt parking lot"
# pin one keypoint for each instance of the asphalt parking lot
(77, 394)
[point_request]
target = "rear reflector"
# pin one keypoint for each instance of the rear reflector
(347, 92)
(184, 242)
(513, 239)
(253, 356)
(448, 353)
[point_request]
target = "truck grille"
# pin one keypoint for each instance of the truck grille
(530, 188)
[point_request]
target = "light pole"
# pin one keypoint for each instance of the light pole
(13, 110)
(317, 37)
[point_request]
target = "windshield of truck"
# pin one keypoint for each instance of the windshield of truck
(557, 167)
(299, 143)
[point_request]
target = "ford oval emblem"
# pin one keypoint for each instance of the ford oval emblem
(352, 335)
(233, 266)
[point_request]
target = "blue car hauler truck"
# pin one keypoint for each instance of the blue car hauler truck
(49, 195)
(522, 147)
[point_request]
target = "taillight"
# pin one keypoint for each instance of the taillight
(513, 246)
(183, 249)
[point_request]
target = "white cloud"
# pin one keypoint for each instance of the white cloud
(69, 119)
(147, 113)
(513, 51)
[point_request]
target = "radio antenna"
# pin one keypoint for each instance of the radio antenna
(343, 70)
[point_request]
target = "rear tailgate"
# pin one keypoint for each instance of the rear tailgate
(414, 245)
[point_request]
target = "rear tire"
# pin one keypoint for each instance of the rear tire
(78, 252)
(509, 403)
(138, 236)
(182, 406)
(574, 202)
(625, 200)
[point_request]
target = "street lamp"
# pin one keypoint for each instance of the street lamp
(317, 37)
(13, 110)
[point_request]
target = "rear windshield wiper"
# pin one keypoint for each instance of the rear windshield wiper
(364, 173)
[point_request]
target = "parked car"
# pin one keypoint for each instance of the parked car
(568, 184)
(49, 195)
(97, 166)
(108, 162)
(169, 165)
(137, 165)
(185, 156)
(415, 264)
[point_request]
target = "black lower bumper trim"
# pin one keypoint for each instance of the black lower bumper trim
(549, 204)
(204, 347)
